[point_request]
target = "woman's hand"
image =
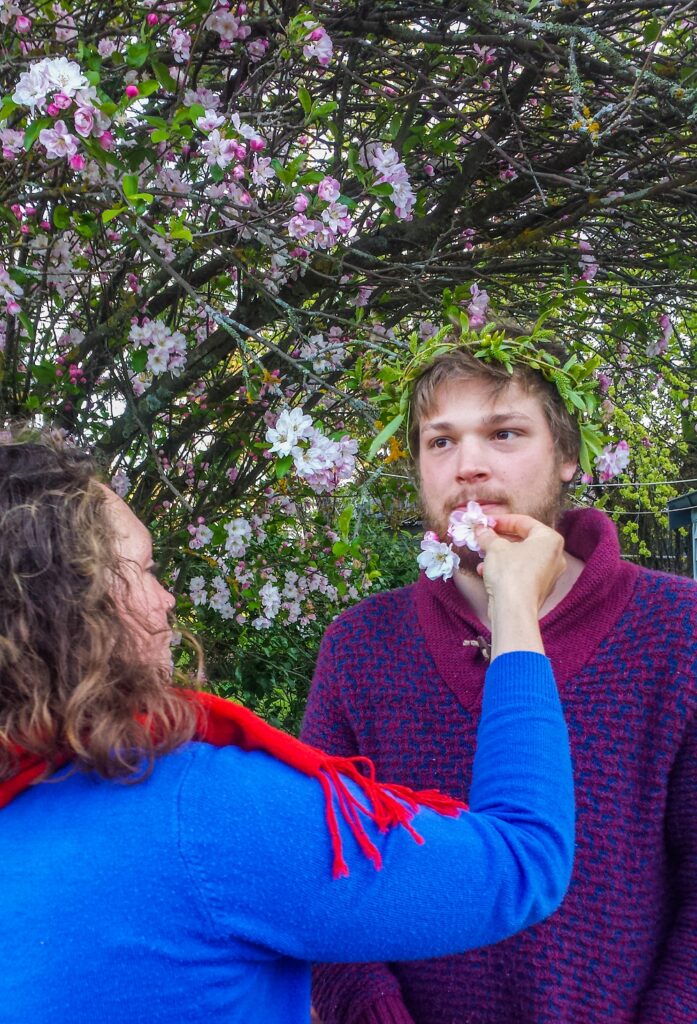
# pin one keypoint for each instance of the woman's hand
(523, 559)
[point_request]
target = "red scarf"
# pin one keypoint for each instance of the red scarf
(222, 724)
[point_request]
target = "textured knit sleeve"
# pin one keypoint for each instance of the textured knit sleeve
(345, 993)
(672, 996)
(254, 841)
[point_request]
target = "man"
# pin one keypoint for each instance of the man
(399, 679)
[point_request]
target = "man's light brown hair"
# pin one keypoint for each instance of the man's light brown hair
(460, 364)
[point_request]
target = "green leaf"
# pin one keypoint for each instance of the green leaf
(322, 109)
(137, 54)
(108, 215)
(162, 74)
(147, 87)
(652, 30)
(61, 217)
(29, 328)
(93, 77)
(139, 359)
(305, 99)
(33, 130)
(385, 434)
(339, 548)
(129, 184)
(344, 521)
(8, 107)
(282, 467)
(383, 189)
(160, 135)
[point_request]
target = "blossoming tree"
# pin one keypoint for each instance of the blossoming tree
(227, 229)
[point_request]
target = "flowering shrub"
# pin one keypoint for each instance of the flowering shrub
(227, 229)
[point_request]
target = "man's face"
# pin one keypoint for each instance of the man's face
(496, 449)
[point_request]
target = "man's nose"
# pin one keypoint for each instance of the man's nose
(472, 463)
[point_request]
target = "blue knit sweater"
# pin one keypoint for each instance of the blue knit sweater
(202, 893)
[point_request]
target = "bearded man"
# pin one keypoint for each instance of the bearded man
(399, 679)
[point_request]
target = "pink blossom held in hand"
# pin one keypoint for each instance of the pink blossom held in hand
(463, 522)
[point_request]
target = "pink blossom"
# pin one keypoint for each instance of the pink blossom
(77, 162)
(84, 121)
(301, 226)
(106, 140)
(152, 19)
(62, 101)
(659, 347)
(106, 47)
(437, 560)
(301, 203)
(328, 190)
(462, 523)
(218, 150)
(612, 461)
(23, 24)
(257, 48)
(58, 141)
(318, 44)
(132, 91)
(180, 41)
(476, 311)
(604, 383)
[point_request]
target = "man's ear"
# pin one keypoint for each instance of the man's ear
(567, 470)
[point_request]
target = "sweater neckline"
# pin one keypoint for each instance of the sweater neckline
(572, 630)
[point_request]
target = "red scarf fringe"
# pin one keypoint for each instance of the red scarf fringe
(222, 723)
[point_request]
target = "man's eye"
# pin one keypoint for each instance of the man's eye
(439, 442)
(504, 435)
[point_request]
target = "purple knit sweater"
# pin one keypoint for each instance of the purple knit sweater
(395, 682)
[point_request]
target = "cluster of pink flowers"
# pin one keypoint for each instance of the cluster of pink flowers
(322, 463)
(166, 348)
(326, 353)
(239, 535)
(56, 85)
(222, 150)
(200, 534)
(334, 220)
(612, 461)
(228, 25)
(391, 171)
(10, 291)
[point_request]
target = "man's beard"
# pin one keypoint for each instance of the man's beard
(547, 509)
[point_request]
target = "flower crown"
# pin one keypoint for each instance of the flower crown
(575, 381)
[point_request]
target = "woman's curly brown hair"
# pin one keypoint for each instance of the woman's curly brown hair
(71, 682)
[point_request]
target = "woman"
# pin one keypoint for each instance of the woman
(168, 856)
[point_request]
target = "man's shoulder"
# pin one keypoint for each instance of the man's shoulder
(385, 608)
(665, 590)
